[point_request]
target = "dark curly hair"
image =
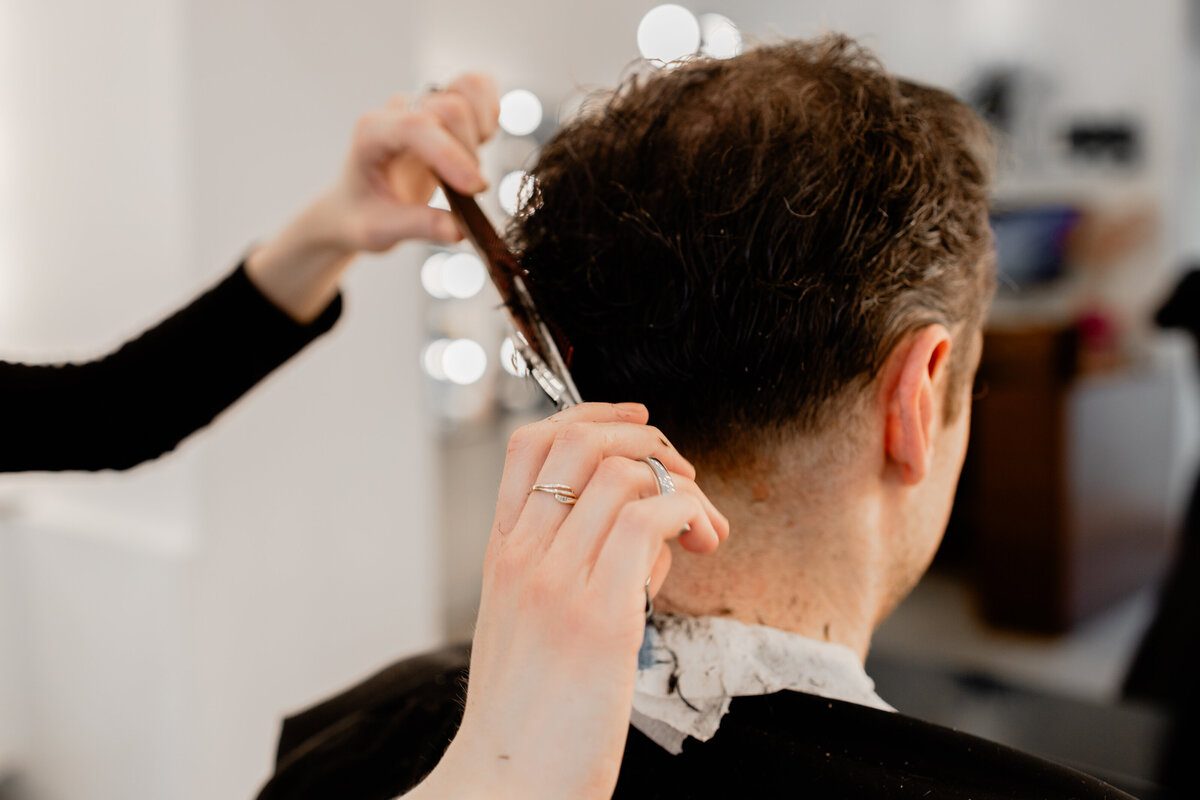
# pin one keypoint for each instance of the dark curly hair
(740, 243)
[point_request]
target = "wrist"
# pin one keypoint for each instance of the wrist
(299, 268)
(458, 776)
(314, 235)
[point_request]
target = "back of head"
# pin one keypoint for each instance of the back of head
(739, 243)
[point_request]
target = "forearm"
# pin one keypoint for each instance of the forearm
(468, 773)
(299, 269)
(141, 401)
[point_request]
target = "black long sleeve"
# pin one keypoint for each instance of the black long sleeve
(144, 399)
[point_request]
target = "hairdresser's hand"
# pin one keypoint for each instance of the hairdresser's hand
(562, 612)
(396, 156)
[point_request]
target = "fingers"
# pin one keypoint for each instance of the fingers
(719, 521)
(469, 107)
(410, 222)
(391, 132)
(528, 446)
(398, 155)
(567, 450)
(632, 549)
(480, 91)
(580, 449)
(658, 573)
(617, 484)
(456, 114)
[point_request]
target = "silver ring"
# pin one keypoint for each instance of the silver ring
(665, 484)
(561, 491)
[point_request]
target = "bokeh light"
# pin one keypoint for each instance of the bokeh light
(520, 112)
(431, 358)
(720, 37)
(463, 275)
(432, 275)
(513, 191)
(668, 33)
(464, 361)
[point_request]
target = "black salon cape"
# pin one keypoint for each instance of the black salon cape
(378, 739)
(145, 398)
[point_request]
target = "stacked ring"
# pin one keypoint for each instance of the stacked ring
(564, 494)
(561, 491)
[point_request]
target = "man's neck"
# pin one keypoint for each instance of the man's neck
(805, 561)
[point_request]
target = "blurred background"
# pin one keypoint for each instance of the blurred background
(155, 626)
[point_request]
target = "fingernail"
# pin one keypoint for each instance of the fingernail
(685, 529)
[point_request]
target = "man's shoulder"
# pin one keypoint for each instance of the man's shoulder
(790, 743)
(379, 738)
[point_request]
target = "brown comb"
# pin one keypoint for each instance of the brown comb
(509, 280)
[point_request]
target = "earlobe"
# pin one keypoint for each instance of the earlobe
(916, 369)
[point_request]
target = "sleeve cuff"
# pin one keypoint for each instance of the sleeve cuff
(276, 322)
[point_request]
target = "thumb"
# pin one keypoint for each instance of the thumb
(391, 224)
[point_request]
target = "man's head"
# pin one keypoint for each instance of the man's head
(739, 244)
(754, 247)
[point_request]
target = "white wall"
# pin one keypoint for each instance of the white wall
(1190, 134)
(93, 223)
(166, 619)
(319, 561)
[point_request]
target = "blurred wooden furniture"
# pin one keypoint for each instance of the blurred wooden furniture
(1064, 498)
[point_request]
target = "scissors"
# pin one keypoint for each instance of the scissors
(531, 336)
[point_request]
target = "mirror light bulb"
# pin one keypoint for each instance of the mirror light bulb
(431, 359)
(513, 192)
(520, 112)
(464, 361)
(432, 275)
(668, 33)
(463, 275)
(721, 37)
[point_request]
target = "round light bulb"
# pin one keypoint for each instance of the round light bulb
(431, 359)
(433, 275)
(520, 112)
(513, 191)
(464, 361)
(463, 275)
(511, 360)
(721, 37)
(668, 33)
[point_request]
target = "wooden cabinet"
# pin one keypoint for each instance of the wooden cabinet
(1064, 503)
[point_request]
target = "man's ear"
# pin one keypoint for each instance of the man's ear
(916, 391)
